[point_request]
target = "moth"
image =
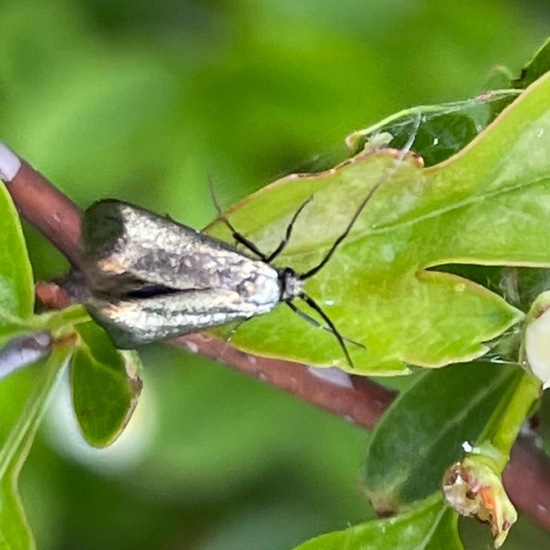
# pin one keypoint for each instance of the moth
(152, 278)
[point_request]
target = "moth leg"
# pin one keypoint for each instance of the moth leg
(312, 321)
(232, 330)
(228, 336)
(239, 237)
(288, 233)
(331, 326)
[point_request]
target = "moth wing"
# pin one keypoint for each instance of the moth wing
(132, 322)
(127, 248)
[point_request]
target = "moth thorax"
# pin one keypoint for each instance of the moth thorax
(291, 284)
(261, 289)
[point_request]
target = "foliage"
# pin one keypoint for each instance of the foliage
(245, 100)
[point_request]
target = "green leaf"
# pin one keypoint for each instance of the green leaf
(444, 130)
(530, 72)
(535, 68)
(15, 532)
(429, 526)
(14, 529)
(488, 205)
(423, 431)
(105, 386)
(16, 283)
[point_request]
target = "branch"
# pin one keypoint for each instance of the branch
(356, 399)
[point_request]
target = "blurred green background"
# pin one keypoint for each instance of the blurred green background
(147, 101)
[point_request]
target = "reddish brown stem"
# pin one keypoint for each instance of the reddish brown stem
(527, 480)
(49, 210)
(354, 398)
(357, 399)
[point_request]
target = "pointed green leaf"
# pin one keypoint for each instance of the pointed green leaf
(488, 205)
(15, 533)
(105, 386)
(443, 130)
(14, 528)
(424, 430)
(430, 526)
(535, 68)
(16, 283)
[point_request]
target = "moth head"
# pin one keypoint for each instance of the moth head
(291, 284)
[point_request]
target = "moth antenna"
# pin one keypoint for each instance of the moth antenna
(317, 308)
(288, 234)
(316, 324)
(239, 237)
(364, 202)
